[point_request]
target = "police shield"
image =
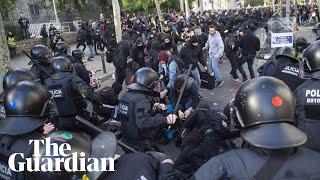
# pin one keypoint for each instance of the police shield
(103, 146)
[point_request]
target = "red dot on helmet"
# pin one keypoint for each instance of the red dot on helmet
(277, 101)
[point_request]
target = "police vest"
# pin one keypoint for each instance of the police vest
(15, 144)
(2, 111)
(126, 114)
(308, 107)
(11, 42)
(288, 71)
(68, 102)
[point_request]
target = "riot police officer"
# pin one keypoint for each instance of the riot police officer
(68, 91)
(301, 44)
(139, 123)
(285, 67)
(42, 55)
(11, 78)
(308, 97)
(79, 66)
(27, 107)
(77, 54)
(316, 30)
(267, 125)
(62, 50)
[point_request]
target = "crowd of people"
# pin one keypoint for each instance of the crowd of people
(268, 131)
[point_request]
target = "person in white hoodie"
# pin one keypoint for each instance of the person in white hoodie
(216, 50)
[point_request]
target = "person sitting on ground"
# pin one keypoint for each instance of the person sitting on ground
(190, 98)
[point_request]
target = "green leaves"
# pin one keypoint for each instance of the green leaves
(6, 7)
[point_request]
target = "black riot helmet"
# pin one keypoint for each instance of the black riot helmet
(301, 44)
(62, 64)
(311, 56)
(27, 106)
(77, 54)
(41, 53)
(287, 52)
(145, 80)
(17, 75)
(62, 47)
(265, 110)
(316, 29)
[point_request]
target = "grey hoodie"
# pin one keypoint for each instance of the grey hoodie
(216, 46)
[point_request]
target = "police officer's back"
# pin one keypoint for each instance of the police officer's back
(27, 107)
(136, 110)
(285, 67)
(265, 109)
(68, 91)
(42, 55)
(308, 97)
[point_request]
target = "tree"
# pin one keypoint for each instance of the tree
(4, 53)
(6, 7)
(117, 19)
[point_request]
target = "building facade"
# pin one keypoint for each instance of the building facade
(38, 11)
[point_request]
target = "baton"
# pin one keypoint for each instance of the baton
(95, 128)
(36, 63)
(182, 91)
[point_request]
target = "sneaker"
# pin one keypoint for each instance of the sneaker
(212, 74)
(244, 80)
(220, 83)
(237, 80)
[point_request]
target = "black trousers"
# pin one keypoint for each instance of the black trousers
(120, 75)
(233, 61)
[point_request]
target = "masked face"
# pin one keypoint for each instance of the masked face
(167, 41)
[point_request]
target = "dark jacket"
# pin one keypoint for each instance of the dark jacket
(192, 55)
(137, 119)
(44, 32)
(138, 55)
(89, 37)
(307, 105)
(189, 92)
(245, 164)
(284, 69)
(121, 54)
(249, 44)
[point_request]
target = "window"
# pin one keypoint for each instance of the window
(34, 9)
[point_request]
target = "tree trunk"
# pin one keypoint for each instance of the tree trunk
(4, 53)
(201, 5)
(212, 5)
(117, 19)
(187, 10)
(159, 12)
(181, 5)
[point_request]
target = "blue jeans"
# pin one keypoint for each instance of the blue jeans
(215, 69)
(185, 102)
(196, 76)
(90, 55)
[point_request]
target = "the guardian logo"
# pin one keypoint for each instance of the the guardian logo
(56, 158)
